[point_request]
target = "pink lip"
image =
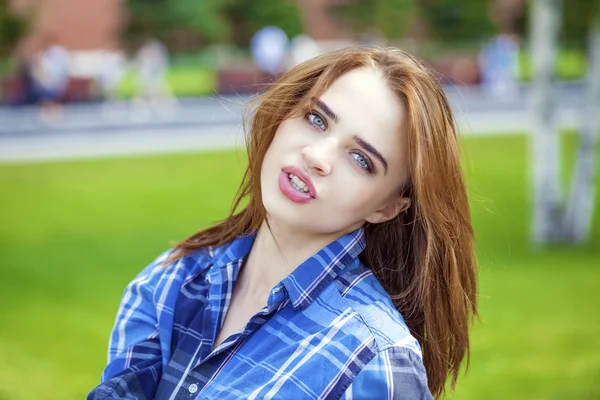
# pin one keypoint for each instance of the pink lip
(288, 190)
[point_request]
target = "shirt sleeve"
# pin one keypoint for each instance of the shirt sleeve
(396, 373)
(134, 352)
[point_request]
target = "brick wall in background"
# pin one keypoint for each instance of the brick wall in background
(78, 25)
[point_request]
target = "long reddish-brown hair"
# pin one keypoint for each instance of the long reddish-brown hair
(424, 257)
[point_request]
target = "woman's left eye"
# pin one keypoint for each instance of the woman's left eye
(362, 161)
(316, 120)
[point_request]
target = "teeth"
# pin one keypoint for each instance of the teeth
(298, 184)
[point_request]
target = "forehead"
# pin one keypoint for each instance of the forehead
(367, 107)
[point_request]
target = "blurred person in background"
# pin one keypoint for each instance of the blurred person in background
(51, 77)
(110, 73)
(26, 92)
(269, 46)
(499, 62)
(349, 273)
(302, 48)
(151, 65)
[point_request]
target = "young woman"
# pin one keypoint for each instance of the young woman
(349, 274)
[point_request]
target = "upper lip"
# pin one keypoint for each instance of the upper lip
(303, 176)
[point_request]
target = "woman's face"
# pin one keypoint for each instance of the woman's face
(341, 163)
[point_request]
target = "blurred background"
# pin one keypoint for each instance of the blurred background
(121, 131)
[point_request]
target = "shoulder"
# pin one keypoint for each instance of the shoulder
(366, 296)
(396, 370)
(394, 373)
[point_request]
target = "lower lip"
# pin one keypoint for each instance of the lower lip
(288, 190)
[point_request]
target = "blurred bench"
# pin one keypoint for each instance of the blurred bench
(78, 90)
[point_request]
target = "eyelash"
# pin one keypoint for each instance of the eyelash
(370, 168)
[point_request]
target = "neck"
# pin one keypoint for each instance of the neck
(276, 253)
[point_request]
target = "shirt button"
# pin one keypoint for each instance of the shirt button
(193, 388)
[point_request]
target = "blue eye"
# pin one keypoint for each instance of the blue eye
(362, 161)
(316, 120)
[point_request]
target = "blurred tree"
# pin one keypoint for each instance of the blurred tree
(391, 18)
(577, 21)
(12, 29)
(457, 20)
(553, 221)
(545, 141)
(200, 21)
(188, 24)
(248, 16)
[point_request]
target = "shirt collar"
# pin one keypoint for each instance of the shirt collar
(309, 279)
(234, 251)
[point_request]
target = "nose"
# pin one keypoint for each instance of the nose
(319, 156)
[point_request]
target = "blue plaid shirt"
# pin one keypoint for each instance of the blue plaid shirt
(329, 331)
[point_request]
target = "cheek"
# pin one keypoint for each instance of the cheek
(278, 145)
(288, 129)
(356, 201)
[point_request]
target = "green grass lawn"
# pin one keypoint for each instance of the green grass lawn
(184, 80)
(72, 234)
(570, 64)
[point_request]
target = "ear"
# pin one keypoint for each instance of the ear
(393, 208)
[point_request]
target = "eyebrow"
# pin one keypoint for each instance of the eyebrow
(328, 111)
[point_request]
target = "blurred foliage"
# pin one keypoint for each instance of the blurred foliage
(457, 20)
(447, 20)
(391, 18)
(170, 19)
(189, 24)
(12, 29)
(577, 21)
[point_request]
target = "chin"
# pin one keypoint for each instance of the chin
(280, 208)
